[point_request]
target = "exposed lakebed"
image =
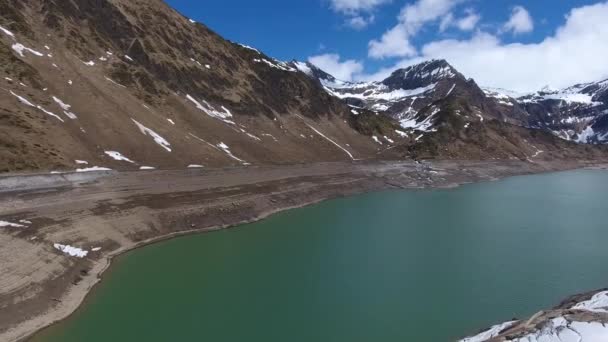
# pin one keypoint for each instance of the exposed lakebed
(392, 266)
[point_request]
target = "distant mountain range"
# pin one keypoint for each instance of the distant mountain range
(578, 113)
(132, 84)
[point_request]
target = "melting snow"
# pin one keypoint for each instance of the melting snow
(96, 249)
(81, 162)
(195, 166)
(328, 139)
(7, 32)
(171, 121)
(20, 48)
(424, 125)
(157, 138)
(89, 63)
(71, 251)
(388, 139)
(451, 90)
(377, 140)
(116, 83)
(401, 133)
(250, 48)
(119, 157)
(66, 108)
(585, 135)
(93, 169)
(226, 149)
(598, 303)
(28, 103)
(143, 168)
(211, 111)
(10, 224)
(277, 65)
(129, 58)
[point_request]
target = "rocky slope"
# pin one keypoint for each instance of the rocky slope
(129, 84)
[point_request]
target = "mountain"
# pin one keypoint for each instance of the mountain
(130, 84)
(447, 114)
(578, 113)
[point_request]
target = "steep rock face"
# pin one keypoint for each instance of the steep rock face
(82, 78)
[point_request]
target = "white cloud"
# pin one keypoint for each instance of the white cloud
(342, 70)
(360, 22)
(520, 22)
(396, 41)
(469, 22)
(572, 55)
(355, 6)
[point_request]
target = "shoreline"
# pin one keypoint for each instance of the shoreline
(76, 295)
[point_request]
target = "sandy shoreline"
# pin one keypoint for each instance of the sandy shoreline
(127, 211)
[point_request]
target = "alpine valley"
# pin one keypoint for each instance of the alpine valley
(124, 122)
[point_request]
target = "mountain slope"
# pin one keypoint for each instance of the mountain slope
(83, 78)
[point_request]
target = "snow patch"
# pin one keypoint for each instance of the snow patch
(226, 149)
(195, 166)
(157, 138)
(118, 156)
(71, 251)
(223, 115)
(20, 49)
(10, 225)
(81, 162)
(28, 103)
(7, 32)
(93, 169)
(66, 108)
(89, 63)
(144, 168)
(598, 303)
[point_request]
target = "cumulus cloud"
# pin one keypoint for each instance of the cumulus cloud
(332, 64)
(573, 54)
(396, 41)
(520, 22)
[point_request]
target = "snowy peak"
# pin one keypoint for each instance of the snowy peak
(421, 75)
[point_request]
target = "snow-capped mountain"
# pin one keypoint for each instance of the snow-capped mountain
(578, 113)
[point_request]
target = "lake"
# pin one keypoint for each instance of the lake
(429, 265)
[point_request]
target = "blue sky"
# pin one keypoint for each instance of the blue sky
(366, 39)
